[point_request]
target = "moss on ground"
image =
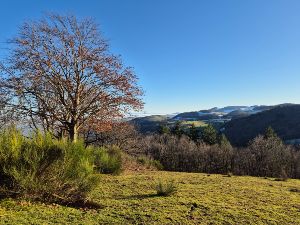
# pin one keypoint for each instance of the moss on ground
(201, 199)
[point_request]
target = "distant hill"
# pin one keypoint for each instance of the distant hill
(195, 116)
(227, 112)
(216, 116)
(229, 109)
(209, 110)
(267, 107)
(284, 119)
(149, 124)
(237, 114)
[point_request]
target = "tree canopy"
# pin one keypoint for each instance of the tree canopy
(61, 76)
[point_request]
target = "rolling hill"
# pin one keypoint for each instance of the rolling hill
(216, 116)
(196, 116)
(149, 124)
(284, 119)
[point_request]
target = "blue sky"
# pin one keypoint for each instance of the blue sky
(191, 54)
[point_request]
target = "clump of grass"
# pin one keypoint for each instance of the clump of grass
(166, 188)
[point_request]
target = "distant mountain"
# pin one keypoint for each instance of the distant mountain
(228, 112)
(284, 119)
(229, 109)
(218, 116)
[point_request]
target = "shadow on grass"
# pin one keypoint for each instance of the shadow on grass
(140, 196)
(78, 204)
(81, 204)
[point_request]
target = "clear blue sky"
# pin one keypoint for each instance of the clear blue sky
(192, 54)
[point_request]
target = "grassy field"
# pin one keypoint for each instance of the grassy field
(200, 199)
(197, 123)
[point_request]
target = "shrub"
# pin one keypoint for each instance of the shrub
(166, 188)
(157, 164)
(150, 163)
(108, 159)
(77, 169)
(45, 169)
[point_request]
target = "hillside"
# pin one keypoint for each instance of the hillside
(195, 116)
(149, 124)
(237, 114)
(217, 116)
(284, 119)
(200, 199)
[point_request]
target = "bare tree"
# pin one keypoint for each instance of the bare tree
(121, 134)
(62, 77)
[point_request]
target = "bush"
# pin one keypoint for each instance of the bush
(166, 188)
(108, 159)
(150, 163)
(45, 169)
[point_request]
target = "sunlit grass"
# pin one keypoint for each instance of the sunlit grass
(197, 123)
(200, 199)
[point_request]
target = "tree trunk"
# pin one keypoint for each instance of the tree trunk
(73, 132)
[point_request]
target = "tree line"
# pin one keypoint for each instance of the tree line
(210, 152)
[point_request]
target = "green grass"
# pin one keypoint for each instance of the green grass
(197, 123)
(200, 199)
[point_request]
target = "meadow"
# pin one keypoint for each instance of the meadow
(130, 198)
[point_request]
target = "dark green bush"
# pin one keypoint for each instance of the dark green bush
(108, 159)
(45, 169)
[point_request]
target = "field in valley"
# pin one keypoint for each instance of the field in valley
(201, 199)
